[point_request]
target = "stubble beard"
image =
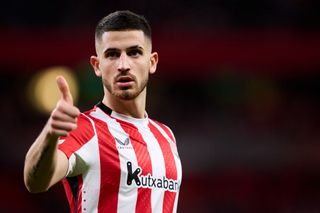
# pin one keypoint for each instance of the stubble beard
(126, 93)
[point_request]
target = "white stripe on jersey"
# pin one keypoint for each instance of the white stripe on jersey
(158, 166)
(176, 159)
(127, 196)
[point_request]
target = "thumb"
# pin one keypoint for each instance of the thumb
(64, 89)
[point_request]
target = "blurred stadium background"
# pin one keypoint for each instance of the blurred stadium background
(238, 82)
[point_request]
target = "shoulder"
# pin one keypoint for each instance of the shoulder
(77, 138)
(86, 121)
(163, 128)
(84, 124)
(82, 134)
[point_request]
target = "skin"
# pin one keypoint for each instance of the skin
(124, 61)
(44, 164)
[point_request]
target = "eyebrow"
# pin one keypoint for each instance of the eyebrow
(129, 48)
(135, 47)
(111, 50)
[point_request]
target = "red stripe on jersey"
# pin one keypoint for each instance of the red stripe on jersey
(73, 187)
(70, 197)
(74, 142)
(143, 157)
(109, 167)
(78, 137)
(166, 129)
(171, 169)
(80, 182)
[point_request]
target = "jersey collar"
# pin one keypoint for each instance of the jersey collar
(126, 118)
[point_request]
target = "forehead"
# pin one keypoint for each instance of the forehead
(123, 39)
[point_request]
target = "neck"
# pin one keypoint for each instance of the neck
(134, 108)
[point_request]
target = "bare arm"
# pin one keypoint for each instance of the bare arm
(45, 165)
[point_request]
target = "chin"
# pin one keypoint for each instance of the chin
(126, 95)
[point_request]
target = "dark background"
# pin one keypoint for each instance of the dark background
(238, 82)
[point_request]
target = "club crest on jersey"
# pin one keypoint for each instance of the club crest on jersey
(150, 181)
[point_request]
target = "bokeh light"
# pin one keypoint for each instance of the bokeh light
(43, 92)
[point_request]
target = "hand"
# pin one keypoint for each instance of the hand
(64, 116)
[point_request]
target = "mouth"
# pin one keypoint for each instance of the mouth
(124, 81)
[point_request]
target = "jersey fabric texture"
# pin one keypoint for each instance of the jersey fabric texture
(121, 164)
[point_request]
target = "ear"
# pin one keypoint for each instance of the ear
(153, 62)
(94, 61)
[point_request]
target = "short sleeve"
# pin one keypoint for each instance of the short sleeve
(75, 141)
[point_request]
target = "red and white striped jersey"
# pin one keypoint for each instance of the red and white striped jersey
(121, 164)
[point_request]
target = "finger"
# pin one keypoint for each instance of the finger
(63, 126)
(64, 89)
(67, 109)
(61, 116)
(59, 133)
(60, 128)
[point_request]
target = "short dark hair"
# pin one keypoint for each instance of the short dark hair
(121, 21)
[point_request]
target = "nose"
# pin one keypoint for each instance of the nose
(123, 64)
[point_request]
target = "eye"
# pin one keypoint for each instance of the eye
(134, 53)
(112, 54)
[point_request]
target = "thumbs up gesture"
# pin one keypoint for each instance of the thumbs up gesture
(64, 90)
(63, 118)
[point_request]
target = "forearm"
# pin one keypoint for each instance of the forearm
(40, 162)
(45, 165)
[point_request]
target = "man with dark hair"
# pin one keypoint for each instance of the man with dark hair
(123, 20)
(113, 158)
